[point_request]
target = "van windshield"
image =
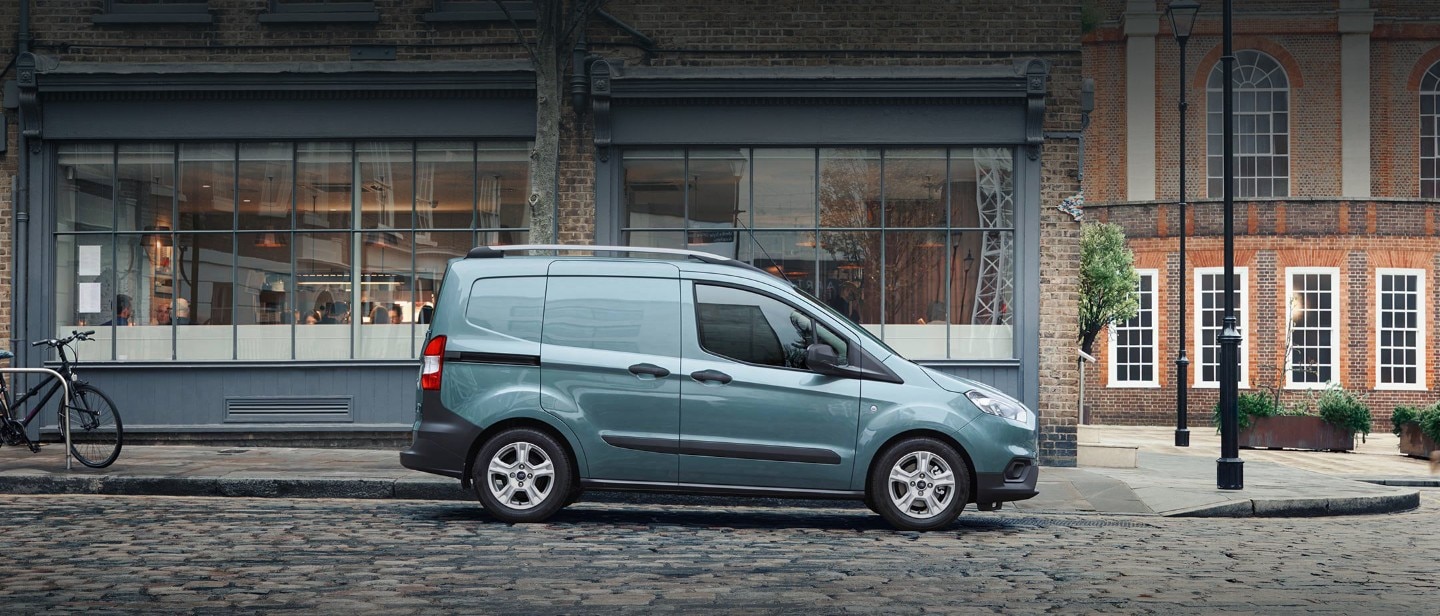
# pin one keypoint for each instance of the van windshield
(843, 320)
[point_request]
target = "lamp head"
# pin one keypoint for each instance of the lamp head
(1182, 17)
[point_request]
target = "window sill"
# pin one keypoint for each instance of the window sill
(366, 17)
(143, 19)
(461, 16)
(1400, 387)
(1123, 385)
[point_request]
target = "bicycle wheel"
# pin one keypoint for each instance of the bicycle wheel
(95, 432)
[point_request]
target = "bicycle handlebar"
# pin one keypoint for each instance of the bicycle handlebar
(57, 342)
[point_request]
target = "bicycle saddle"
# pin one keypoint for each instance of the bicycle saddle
(6, 354)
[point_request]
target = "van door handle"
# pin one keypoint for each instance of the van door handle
(650, 369)
(711, 375)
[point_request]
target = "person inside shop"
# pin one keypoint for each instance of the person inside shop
(313, 317)
(122, 311)
(162, 314)
(379, 315)
(395, 314)
(182, 311)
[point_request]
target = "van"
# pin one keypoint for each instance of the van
(683, 371)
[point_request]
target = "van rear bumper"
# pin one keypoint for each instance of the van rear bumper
(442, 442)
(996, 488)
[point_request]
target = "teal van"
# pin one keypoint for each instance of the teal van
(543, 376)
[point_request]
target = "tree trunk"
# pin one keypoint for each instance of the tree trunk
(545, 158)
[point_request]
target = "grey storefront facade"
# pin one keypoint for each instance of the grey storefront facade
(299, 215)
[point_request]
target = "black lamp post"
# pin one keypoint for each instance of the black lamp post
(1229, 469)
(1182, 20)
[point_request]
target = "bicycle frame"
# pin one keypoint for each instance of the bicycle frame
(67, 373)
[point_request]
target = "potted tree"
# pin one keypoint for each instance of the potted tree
(1418, 429)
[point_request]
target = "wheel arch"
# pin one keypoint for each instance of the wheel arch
(927, 433)
(521, 422)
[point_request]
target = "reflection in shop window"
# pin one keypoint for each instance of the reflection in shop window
(927, 261)
(279, 250)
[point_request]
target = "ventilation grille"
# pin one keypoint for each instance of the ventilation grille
(287, 410)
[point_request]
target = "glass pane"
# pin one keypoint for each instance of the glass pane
(850, 275)
(664, 239)
(653, 198)
(503, 182)
(85, 291)
(849, 188)
(751, 328)
(207, 186)
(784, 188)
(323, 171)
(85, 187)
(144, 280)
(433, 251)
(387, 184)
(146, 196)
(263, 287)
(387, 293)
(267, 185)
(982, 288)
(719, 189)
(445, 185)
(785, 254)
(322, 279)
(915, 189)
(916, 315)
(203, 312)
(989, 173)
(501, 238)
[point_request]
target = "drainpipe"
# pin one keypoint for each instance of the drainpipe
(25, 71)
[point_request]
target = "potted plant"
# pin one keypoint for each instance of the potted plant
(1265, 424)
(1418, 429)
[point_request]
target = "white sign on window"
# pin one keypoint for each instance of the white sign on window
(89, 298)
(89, 261)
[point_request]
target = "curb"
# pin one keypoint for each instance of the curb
(1304, 507)
(1402, 482)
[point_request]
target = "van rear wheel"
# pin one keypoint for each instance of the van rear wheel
(919, 484)
(522, 475)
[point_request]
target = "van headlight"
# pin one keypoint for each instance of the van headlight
(1002, 407)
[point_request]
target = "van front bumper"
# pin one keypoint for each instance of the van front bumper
(1017, 484)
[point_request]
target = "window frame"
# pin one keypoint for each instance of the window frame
(318, 11)
(1429, 93)
(1113, 360)
(1238, 154)
(1334, 274)
(1420, 330)
(121, 12)
(851, 355)
(478, 10)
(1242, 298)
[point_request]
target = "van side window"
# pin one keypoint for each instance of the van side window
(627, 315)
(507, 307)
(756, 329)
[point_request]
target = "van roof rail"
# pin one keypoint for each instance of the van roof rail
(492, 252)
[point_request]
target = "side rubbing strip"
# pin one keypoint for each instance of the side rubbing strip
(776, 453)
(470, 357)
(640, 443)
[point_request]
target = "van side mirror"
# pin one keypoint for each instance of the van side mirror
(821, 358)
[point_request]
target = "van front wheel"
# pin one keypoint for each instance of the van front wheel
(919, 484)
(522, 475)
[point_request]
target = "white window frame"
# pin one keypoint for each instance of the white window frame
(1242, 299)
(1420, 357)
(1335, 281)
(1247, 66)
(1154, 382)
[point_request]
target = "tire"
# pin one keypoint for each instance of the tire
(514, 454)
(898, 484)
(96, 432)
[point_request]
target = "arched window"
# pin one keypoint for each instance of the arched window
(1262, 128)
(1430, 133)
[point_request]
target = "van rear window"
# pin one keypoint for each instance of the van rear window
(508, 307)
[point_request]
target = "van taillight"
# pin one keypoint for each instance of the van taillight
(431, 363)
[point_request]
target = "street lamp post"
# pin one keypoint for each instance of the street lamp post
(1182, 20)
(1229, 469)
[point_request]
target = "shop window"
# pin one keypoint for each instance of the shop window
(1430, 133)
(271, 251)
(1312, 311)
(1132, 343)
(1210, 320)
(320, 11)
(119, 12)
(1400, 329)
(1261, 129)
(915, 244)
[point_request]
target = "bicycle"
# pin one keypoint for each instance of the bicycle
(95, 428)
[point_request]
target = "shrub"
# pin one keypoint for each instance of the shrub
(1403, 415)
(1344, 410)
(1430, 422)
(1249, 404)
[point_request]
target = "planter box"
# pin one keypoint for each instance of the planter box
(1414, 443)
(1295, 433)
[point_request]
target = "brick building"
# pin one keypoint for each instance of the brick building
(292, 176)
(1336, 244)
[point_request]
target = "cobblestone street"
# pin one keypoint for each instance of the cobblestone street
(159, 554)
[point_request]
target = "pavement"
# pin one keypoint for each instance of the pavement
(1168, 480)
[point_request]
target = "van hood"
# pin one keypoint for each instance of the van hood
(961, 385)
